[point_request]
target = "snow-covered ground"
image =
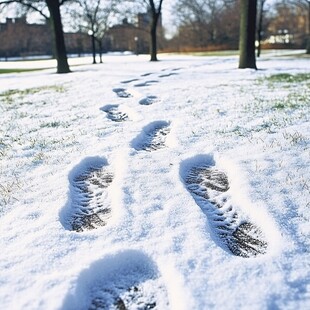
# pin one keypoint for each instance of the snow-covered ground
(181, 184)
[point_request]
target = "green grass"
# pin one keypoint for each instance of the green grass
(9, 94)
(216, 53)
(289, 78)
(5, 71)
(208, 53)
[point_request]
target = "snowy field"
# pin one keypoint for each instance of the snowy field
(181, 184)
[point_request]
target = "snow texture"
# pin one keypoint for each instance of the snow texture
(178, 184)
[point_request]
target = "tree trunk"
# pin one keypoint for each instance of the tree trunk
(260, 26)
(59, 40)
(247, 34)
(100, 50)
(156, 12)
(154, 38)
(308, 35)
(93, 44)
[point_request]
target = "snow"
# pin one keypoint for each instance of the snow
(59, 136)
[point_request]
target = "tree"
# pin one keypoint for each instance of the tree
(155, 11)
(308, 38)
(93, 17)
(207, 22)
(260, 25)
(154, 8)
(54, 17)
(59, 40)
(247, 34)
(198, 17)
(305, 5)
(291, 19)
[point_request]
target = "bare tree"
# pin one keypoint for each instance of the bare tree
(94, 17)
(104, 23)
(247, 34)
(207, 21)
(290, 19)
(196, 15)
(156, 13)
(154, 8)
(304, 5)
(54, 16)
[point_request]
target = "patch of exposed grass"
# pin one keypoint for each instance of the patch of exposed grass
(53, 124)
(294, 138)
(7, 191)
(289, 78)
(3, 147)
(292, 101)
(31, 91)
(8, 95)
(5, 71)
(216, 53)
(206, 53)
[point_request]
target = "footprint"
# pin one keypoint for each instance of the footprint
(146, 74)
(126, 280)
(168, 74)
(146, 83)
(129, 81)
(114, 114)
(153, 137)
(148, 100)
(210, 188)
(122, 93)
(89, 206)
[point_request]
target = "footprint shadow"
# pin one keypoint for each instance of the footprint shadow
(88, 206)
(129, 81)
(126, 280)
(152, 137)
(146, 74)
(210, 188)
(148, 100)
(167, 75)
(146, 83)
(114, 114)
(121, 92)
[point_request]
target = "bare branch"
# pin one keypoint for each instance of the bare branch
(29, 4)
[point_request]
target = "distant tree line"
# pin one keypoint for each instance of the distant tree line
(201, 24)
(214, 24)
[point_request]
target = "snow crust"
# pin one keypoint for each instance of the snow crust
(54, 127)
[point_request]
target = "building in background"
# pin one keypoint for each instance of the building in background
(20, 39)
(134, 37)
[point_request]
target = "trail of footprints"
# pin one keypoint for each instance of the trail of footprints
(89, 188)
(90, 208)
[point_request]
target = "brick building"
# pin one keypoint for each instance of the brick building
(133, 37)
(19, 38)
(127, 37)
